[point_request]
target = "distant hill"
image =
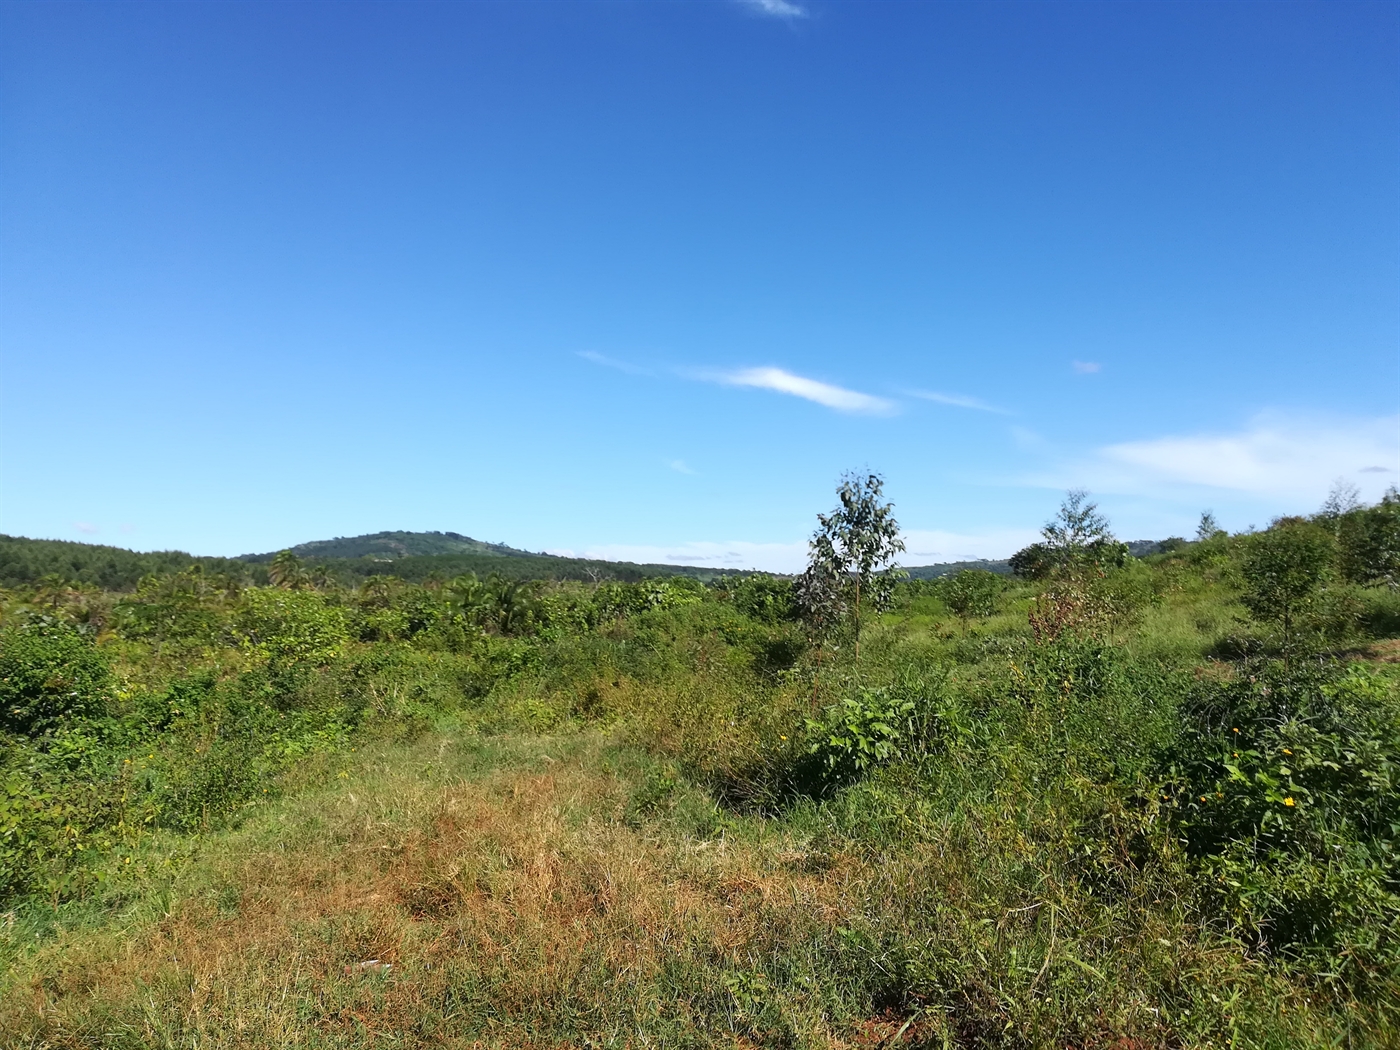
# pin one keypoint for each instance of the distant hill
(413, 556)
(391, 546)
(417, 556)
(23, 560)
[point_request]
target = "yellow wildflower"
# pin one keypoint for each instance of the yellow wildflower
(1289, 801)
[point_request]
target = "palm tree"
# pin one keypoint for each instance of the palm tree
(516, 602)
(322, 578)
(469, 597)
(376, 590)
(286, 572)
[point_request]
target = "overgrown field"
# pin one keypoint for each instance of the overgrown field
(1119, 803)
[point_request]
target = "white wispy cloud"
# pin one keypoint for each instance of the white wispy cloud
(1085, 368)
(784, 382)
(957, 401)
(86, 527)
(1275, 455)
(775, 8)
(680, 466)
(611, 362)
(1027, 439)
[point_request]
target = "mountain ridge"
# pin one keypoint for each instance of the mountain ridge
(413, 556)
(392, 545)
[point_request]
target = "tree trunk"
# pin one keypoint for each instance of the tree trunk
(857, 619)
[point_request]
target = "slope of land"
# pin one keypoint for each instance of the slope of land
(25, 561)
(390, 546)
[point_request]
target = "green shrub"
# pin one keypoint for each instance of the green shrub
(861, 732)
(1368, 541)
(185, 606)
(1378, 611)
(290, 627)
(767, 599)
(1287, 784)
(971, 594)
(1284, 570)
(49, 671)
(612, 600)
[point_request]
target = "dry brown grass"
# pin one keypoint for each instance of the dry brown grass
(516, 909)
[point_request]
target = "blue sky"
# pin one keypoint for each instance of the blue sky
(640, 279)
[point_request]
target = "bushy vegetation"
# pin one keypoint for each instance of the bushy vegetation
(1108, 802)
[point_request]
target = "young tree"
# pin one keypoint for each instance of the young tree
(286, 571)
(1078, 526)
(1209, 528)
(469, 597)
(1283, 570)
(1343, 498)
(851, 556)
(1077, 539)
(971, 594)
(322, 577)
(1368, 541)
(516, 602)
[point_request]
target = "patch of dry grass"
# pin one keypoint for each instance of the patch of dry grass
(517, 909)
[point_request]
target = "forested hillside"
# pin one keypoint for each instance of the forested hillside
(393, 545)
(1106, 801)
(25, 562)
(413, 556)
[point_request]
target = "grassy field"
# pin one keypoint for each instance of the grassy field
(656, 815)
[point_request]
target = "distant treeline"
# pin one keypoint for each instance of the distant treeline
(26, 561)
(420, 568)
(1002, 566)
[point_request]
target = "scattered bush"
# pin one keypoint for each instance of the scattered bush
(1284, 569)
(289, 628)
(971, 594)
(1287, 781)
(49, 672)
(861, 732)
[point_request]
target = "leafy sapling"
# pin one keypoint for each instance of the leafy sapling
(1209, 528)
(851, 557)
(971, 594)
(1284, 569)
